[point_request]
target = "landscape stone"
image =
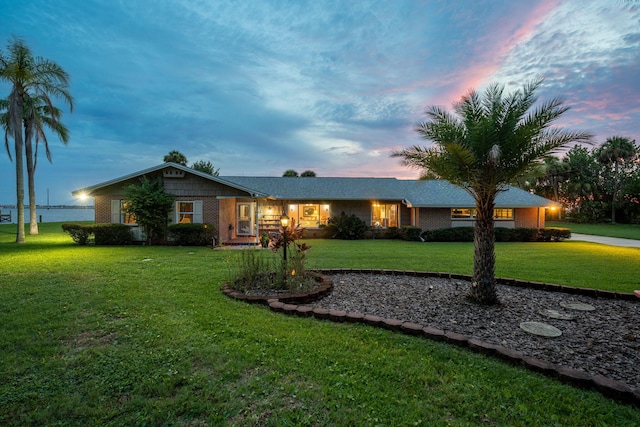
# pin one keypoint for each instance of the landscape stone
(542, 329)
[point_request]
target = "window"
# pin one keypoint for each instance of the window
(466, 213)
(383, 215)
(185, 212)
(461, 213)
(503, 213)
(309, 215)
(126, 218)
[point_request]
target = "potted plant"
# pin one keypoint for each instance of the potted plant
(264, 239)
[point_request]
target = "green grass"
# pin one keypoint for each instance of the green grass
(143, 336)
(626, 231)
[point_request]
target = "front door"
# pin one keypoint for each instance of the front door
(245, 223)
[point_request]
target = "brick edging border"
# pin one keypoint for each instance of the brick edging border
(294, 305)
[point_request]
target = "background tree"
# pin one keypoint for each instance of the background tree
(308, 174)
(150, 205)
(206, 167)
(175, 156)
(487, 141)
(616, 155)
(290, 173)
(33, 81)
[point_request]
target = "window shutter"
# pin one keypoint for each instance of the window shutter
(115, 211)
(197, 211)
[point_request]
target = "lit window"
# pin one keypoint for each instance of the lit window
(462, 213)
(185, 212)
(383, 215)
(126, 218)
(503, 213)
(309, 215)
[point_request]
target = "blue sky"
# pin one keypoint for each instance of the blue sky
(261, 86)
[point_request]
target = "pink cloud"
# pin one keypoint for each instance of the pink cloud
(508, 35)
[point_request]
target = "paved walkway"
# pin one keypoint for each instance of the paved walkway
(611, 241)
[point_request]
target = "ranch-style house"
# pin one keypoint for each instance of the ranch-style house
(244, 206)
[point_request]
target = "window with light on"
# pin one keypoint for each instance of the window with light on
(384, 215)
(185, 212)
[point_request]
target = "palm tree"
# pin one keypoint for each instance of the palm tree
(30, 78)
(39, 114)
(174, 156)
(487, 141)
(615, 151)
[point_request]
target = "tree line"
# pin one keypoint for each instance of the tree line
(594, 184)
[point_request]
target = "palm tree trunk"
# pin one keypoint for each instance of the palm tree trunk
(31, 170)
(483, 288)
(16, 110)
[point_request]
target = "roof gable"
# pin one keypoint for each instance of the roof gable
(165, 167)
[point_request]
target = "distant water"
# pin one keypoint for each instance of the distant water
(53, 214)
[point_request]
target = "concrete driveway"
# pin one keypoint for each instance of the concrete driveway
(611, 241)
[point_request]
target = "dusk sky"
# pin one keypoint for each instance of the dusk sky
(260, 86)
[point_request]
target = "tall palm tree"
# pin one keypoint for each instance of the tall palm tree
(30, 78)
(487, 141)
(38, 116)
(615, 151)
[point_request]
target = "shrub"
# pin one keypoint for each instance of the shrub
(502, 234)
(80, 233)
(454, 234)
(411, 233)
(392, 233)
(554, 234)
(191, 234)
(347, 227)
(112, 234)
(100, 234)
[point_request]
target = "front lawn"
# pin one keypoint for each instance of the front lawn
(143, 336)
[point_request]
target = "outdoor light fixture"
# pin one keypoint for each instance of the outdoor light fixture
(284, 220)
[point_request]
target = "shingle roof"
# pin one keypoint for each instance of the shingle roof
(306, 188)
(443, 194)
(414, 193)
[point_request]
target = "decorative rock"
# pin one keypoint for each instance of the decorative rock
(433, 333)
(637, 293)
(555, 314)
(456, 338)
(276, 306)
(337, 315)
(482, 346)
(538, 365)
(411, 328)
(542, 329)
(304, 310)
(573, 376)
(372, 320)
(321, 313)
(354, 317)
(579, 306)
(392, 324)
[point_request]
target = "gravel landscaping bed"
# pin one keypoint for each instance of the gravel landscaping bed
(603, 341)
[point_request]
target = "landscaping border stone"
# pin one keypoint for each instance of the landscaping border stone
(290, 304)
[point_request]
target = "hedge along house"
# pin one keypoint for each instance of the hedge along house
(243, 207)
